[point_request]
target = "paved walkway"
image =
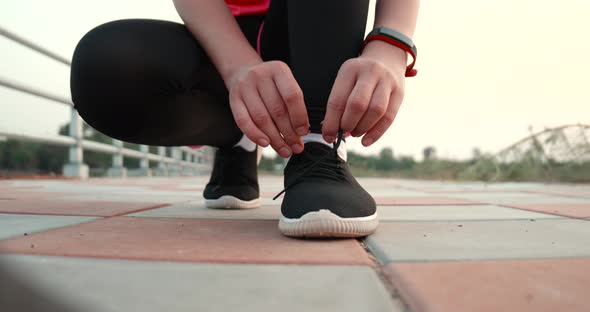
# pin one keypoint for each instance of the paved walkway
(150, 245)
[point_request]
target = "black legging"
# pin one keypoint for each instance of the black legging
(150, 82)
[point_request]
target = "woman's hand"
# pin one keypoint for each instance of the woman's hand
(367, 94)
(267, 105)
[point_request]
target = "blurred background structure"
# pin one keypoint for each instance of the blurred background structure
(492, 102)
(64, 154)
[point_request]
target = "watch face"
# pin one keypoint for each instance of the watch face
(398, 39)
(397, 35)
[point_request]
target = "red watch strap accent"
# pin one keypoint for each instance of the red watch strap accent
(410, 71)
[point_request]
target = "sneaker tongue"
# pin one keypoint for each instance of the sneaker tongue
(320, 149)
(318, 138)
(317, 149)
(319, 155)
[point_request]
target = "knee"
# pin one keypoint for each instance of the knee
(108, 51)
(105, 74)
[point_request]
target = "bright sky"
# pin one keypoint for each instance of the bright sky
(487, 69)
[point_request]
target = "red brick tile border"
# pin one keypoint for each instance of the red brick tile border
(512, 285)
(74, 208)
(194, 240)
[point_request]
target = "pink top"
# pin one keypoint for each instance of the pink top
(248, 7)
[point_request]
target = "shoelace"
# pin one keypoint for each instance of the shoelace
(317, 162)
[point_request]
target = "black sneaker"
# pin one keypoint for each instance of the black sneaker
(234, 180)
(322, 198)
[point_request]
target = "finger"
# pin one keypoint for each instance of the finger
(278, 112)
(358, 101)
(293, 98)
(376, 110)
(343, 85)
(263, 121)
(245, 123)
(383, 124)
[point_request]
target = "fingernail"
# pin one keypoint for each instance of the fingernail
(263, 142)
(330, 139)
(302, 131)
(284, 152)
(367, 141)
(297, 148)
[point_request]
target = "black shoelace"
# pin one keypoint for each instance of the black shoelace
(316, 163)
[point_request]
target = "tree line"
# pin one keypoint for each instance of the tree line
(27, 158)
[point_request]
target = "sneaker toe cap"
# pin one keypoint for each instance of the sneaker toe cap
(341, 199)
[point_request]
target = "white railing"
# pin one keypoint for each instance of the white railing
(182, 160)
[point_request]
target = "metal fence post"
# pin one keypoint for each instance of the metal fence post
(174, 169)
(200, 159)
(117, 170)
(187, 171)
(162, 170)
(144, 163)
(76, 166)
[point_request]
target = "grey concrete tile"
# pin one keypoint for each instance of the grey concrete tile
(127, 189)
(131, 198)
(477, 240)
(452, 213)
(12, 225)
(524, 186)
(197, 210)
(380, 192)
(454, 186)
(507, 198)
(114, 285)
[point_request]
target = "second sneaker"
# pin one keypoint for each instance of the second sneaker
(234, 180)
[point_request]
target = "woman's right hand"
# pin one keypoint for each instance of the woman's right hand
(268, 106)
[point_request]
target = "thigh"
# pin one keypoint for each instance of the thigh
(150, 82)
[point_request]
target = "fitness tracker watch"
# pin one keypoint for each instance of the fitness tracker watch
(397, 39)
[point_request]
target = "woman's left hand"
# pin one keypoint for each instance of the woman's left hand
(367, 94)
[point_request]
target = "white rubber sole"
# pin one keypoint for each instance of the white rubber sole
(324, 223)
(230, 202)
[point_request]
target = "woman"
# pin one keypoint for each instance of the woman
(292, 74)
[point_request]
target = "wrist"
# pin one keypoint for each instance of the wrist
(393, 57)
(230, 70)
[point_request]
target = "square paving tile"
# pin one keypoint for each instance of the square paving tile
(422, 201)
(5, 187)
(521, 285)
(514, 198)
(469, 240)
(568, 210)
(114, 285)
(575, 191)
(73, 208)
(197, 210)
(228, 241)
(16, 195)
(13, 225)
(394, 192)
(133, 197)
(453, 213)
(193, 190)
